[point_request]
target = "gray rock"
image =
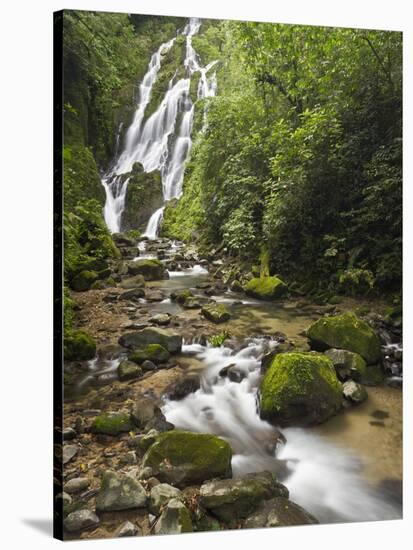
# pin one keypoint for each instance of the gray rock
(354, 392)
(279, 512)
(152, 335)
(127, 529)
(119, 492)
(145, 473)
(161, 319)
(65, 498)
(76, 485)
(180, 389)
(160, 495)
(127, 370)
(69, 434)
(69, 451)
(148, 365)
(174, 519)
(80, 520)
(132, 294)
(143, 411)
(231, 499)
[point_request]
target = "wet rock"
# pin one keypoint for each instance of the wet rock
(122, 240)
(151, 270)
(119, 492)
(80, 520)
(300, 387)
(133, 282)
(184, 458)
(170, 340)
(127, 370)
(232, 499)
(347, 332)
(236, 286)
(154, 296)
(76, 485)
(112, 423)
(127, 529)
(348, 364)
(145, 441)
(181, 295)
(160, 495)
(161, 319)
(174, 519)
(133, 294)
(69, 452)
(279, 512)
(180, 389)
(144, 410)
(148, 366)
(154, 352)
(69, 434)
(354, 392)
(84, 280)
(380, 414)
(79, 346)
(217, 313)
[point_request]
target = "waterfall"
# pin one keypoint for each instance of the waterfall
(163, 141)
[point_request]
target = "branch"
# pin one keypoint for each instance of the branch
(380, 61)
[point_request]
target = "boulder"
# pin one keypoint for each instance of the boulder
(79, 346)
(184, 458)
(354, 392)
(180, 389)
(160, 495)
(119, 492)
(127, 370)
(347, 332)
(69, 452)
(174, 519)
(265, 288)
(133, 294)
(232, 499)
(151, 270)
(80, 520)
(145, 411)
(170, 340)
(133, 282)
(153, 352)
(127, 529)
(347, 364)
(161, 319)
(84, 280)
(279, 512)
(217, 313)
(300, 388)
(112, 423)
(76, 485)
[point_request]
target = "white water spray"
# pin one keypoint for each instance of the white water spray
(163, 141)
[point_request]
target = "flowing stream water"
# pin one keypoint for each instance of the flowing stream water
(163, 141)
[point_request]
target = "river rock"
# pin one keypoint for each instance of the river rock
(133, 282)
(84, 280)
(170, 340)
(79, 346)
(161, 319)
(265, 288)
(151, 270)
(76, 485)
(217, 313)
(69, 434)
(153, 352)
(279, 512)
(354, 392)
(133, 294)
(184, 458)
(69, 452)
(347, 364)
(119, 492)
(231, 499)
(112, 423)
(180, 389)
(127, 529)
(127, 370)
(148, 365)
(174, 519)
(300, 388)
(181, 295)
(144, 410)
(347, 332)
(80, 520)
(160, 495)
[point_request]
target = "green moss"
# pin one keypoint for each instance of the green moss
(128, 371)
(217, 313)
(79, 346)
(151, 270)
(181, 296)
(374, 376)
(348, 332)
(84, 280)
(265, 288)
(184, 458)
(153, 352)
(216, 340)
(300, 388)
(112, 423)
(143, 197)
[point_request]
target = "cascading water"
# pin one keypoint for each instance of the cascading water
(327, 480)
(163, 141)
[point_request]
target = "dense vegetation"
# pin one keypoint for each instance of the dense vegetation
(301, 161)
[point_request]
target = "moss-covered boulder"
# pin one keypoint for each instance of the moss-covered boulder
(79, 346)
(112, 423)
(347, 364)
(347, 332)
(265, 288)
(231, 499)
(181, 296)
(153, 352)
(84, 280)
(175, 519)
(143, 196)
(119, 492)
(137, 281)
(140, 339)
(217, 313)
(151, 269)
(300, 388)
(374, 376)
(184, 458)
(127, 370)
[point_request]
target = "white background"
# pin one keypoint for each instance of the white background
(26, 267)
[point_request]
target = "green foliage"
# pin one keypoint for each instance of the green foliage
(356, 281)
(216, 340)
